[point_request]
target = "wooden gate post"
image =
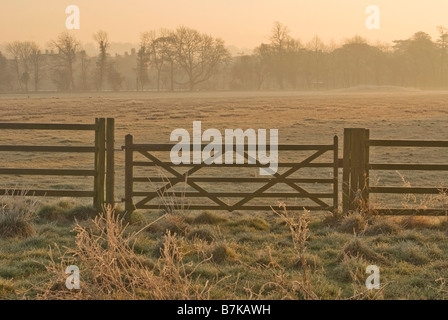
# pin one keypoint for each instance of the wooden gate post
(110, 169)
(336, 174)
(100, 159)
(129, 173)
(355, 180)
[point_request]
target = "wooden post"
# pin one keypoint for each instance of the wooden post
(100, 159)
(110, 169)
(355, 181)
(129, 168)
(336, 174)
(366, 187)
(96, 162)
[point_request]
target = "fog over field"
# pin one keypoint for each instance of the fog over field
(301, 118)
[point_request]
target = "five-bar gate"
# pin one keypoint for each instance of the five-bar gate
(191, 179)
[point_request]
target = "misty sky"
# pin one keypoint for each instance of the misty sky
(243, 23)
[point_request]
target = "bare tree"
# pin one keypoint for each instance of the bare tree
(85, 63)
(198, 55)
(36, 60)
(166, 43)
(317, 48)
(67, 46)
(161, 51)
(102, 39)
(14, 49)
(143, 58)
(25, 57)
(442, 42)
(4, 73)
(279, 36)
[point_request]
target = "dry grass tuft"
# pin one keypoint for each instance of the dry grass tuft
(201, 234)
(354, 223)
(110, 269)
(209, 218)
(222, 253)
(382, 226)
(170, 223)
(17, 215)
(6, 288)
(281, 284)
(416, 222)
(357, 248)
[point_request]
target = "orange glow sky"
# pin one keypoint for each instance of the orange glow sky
(243, 23)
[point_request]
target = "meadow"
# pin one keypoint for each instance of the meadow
(241, 255)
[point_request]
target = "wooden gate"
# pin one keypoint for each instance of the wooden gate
(102, 151)
(191, 179)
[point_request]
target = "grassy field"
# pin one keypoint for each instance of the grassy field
(242, 255)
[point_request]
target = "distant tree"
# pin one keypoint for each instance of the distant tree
(284, 55)
(160, 47)
(102, 40)
(115, 78)
(22, 53)
(36, 62)
(4, 73)
(355, 60)
(198, 55)
(68, 47)
(14, 48)
(317, 53)
(143, 59)
(25, 56)
(243, 72)
(419, 57)
(167, 47)
(262, 60)
(442, 43)
(85, 64)
(280, 35)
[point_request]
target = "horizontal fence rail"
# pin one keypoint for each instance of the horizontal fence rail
(102, 133)
(357, 168)
(187, 178)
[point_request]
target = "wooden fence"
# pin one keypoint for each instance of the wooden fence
(103, 155)
(192, 181)
(357, 166)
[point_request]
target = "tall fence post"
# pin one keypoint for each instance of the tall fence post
(336, 174)
(129, 173)
(355, 179)
(100, 158)
(110, 162)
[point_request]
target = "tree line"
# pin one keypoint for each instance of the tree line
(186, 59)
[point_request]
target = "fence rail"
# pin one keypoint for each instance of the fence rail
(103, 134)
(357, 167)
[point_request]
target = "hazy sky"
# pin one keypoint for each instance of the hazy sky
(243, 23)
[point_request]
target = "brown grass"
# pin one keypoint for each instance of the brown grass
(17, 215)
(110, 269)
